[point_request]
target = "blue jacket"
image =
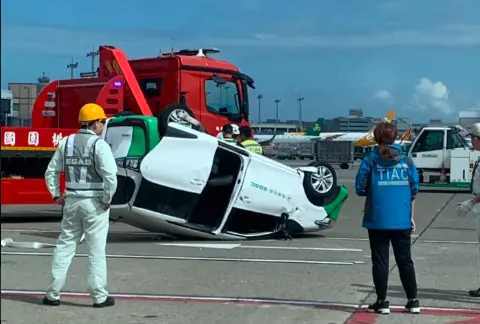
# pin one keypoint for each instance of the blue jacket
(390, 183)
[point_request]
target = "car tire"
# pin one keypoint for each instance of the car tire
(123, 114)
(166, 115)
(320, 196)
(344, 166)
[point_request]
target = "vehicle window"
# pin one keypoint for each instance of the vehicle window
(151, 87)
(453, 141)
(222, 99)
(430, 140)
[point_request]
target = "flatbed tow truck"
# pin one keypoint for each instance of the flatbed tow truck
(212, 91)
(443, 158)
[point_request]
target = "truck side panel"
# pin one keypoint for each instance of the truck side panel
(27, 191)
(71, 99)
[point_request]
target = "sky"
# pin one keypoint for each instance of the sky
(420, 58)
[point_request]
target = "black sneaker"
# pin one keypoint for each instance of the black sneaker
(413, 307)
(474, 293)
(110, 301)
(49, 302)
(380, 307)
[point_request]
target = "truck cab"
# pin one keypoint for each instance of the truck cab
(212, 91)
(443, 157)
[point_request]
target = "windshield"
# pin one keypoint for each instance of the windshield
(222, 98)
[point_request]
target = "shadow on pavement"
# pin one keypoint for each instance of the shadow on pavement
(427, 293)
(155, 237)
(38, 301)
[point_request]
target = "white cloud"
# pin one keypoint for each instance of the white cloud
(65, 41)
(385, 96)
(432, 96)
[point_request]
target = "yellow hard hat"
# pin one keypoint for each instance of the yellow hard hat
(90, 112)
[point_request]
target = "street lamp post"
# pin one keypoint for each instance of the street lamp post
(300, 99)
(93, 54)
(72, 66)
(277, 101)
(259, 97)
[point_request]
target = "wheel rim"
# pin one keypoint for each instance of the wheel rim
(174, 117)
(322, 180)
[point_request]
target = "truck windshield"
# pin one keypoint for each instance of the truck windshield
(222, 99)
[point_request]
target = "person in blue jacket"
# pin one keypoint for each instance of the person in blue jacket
(389, 181)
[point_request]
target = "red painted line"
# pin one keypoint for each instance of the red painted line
(472, 320)
(360, 313)
(197, 299)
(440, 311)
(363, 317)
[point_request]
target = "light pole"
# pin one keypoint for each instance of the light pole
(259, 97)
(300, 99)
(277, 101)
(93, 54)
(72, 66)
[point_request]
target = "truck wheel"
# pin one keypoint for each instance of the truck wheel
(321, 184)
(123, 114)
(170, 114)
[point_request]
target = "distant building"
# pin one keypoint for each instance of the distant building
(270, 128)
(352, 124)
(466, 118)
(24, 95)
(6, 107)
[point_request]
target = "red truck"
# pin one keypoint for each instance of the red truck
(214, 92)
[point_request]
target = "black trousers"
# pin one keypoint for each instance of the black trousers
(380, 247)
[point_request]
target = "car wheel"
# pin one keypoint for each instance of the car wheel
(123, 114)
(344, 166)
(322, 184)
(170, 114)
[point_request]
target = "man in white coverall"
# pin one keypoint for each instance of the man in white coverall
(91, 181)
(473, 204)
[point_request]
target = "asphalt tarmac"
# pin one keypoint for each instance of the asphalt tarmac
(321, 279)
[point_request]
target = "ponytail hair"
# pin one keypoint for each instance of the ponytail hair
(385, 134)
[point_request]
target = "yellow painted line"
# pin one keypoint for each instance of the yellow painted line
(27, 148)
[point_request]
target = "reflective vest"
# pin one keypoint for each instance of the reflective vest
(230, 140)
(252, 146)
(79, 165)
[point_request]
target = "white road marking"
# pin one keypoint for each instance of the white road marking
(449, 242)
(298, 248)
(266, 247)
(202, 245)
(419, 241)
(178, 258)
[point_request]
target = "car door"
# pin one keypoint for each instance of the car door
(268, 187)
(429, 149)
(181, 161)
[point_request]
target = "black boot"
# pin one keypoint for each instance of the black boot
(474, 293)
(110, 301)
(49, 302)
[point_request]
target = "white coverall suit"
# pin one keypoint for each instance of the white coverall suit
(91, 181)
